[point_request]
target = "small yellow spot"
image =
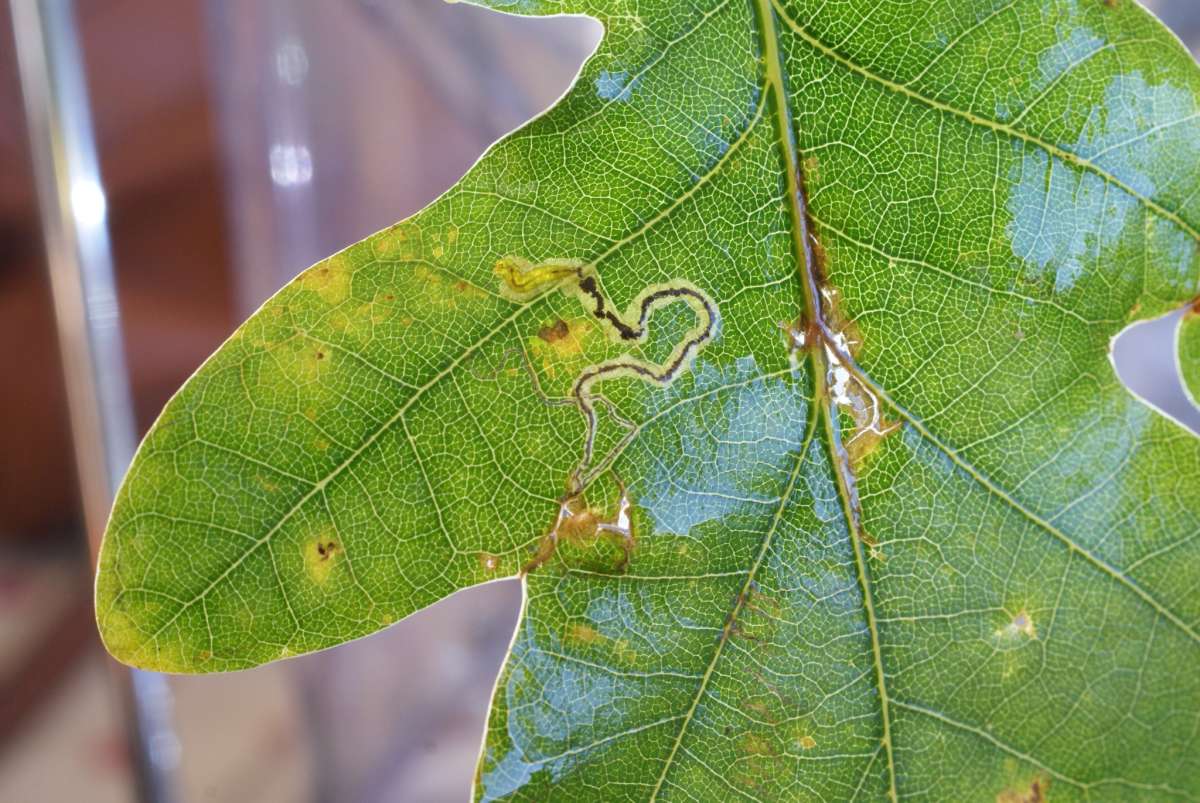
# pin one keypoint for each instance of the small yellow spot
(807, 742)
(329, 279)
(401, 242)
(489, 562)
(426, 277)
(585, 634)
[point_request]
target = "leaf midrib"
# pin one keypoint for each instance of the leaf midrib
(821, 408)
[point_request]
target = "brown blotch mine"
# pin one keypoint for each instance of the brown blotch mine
(320, 556)
(1034, 793)
(577, 523)
(555, 332)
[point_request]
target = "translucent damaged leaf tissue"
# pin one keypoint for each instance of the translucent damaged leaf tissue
(775, 359)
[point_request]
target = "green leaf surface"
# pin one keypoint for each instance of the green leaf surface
(1187, 351)
(778, 353)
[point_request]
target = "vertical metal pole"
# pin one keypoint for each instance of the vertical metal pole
(74, 229)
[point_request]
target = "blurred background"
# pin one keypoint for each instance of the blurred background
(235, 144)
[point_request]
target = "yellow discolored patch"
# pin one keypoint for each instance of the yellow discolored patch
(759, 709)
(806, 742)
(467, 290)
(266, 484)
(400, 242)
(755, 744)
(868, 434)
(320, 555)
(1032, 792)
(1019, 628)
(426, 278)
(121, 635)
(329, 279)
(584, 634)
(438, 289)
(587, 635)
(553, 333)
(811, 168)
(521, 278)
(1023, 624)
(559, 342)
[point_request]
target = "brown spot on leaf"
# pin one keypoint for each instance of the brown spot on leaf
(1035, 792)
(467, 289)
(489, 562)
(555, 332)
(320, 555)
(578, 524)
(329, 279)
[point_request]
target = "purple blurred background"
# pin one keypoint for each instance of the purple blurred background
(239, 143)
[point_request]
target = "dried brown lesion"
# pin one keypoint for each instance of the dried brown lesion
(836, 340)
(576, 522)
